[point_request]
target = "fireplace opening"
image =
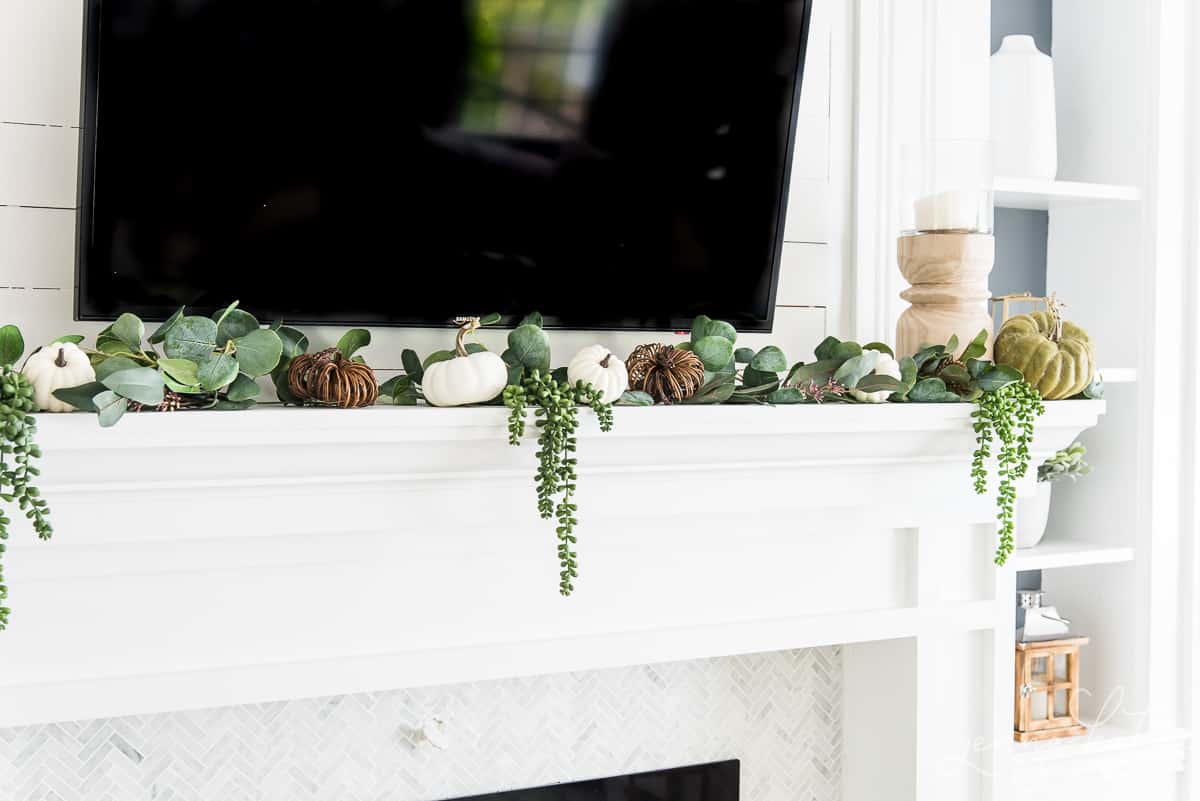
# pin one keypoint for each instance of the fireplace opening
(713, 781)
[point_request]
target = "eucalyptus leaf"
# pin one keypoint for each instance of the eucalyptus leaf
(952, 344)
(243, 388)
(437, 356)
(787, 395)
(931, 390)
(534, 319)
(115, 364)
(353, 341)
(715, 351)
(223, 405)
(954, 375)
(220, 316)
(412, 365)
(130, 330)
(847, 350)
(559, 374)
(182, 389)
(160, 333)
(879, 347)
(704, 326)
(908, 372)
(977, 367)
(192, 338)
(294, 342)
(635, 397)
(81, 397)
(475, 347)
(754, 379)
(816, 372)
(234, 324)
(258, 352)
(69, 339)
(112, 346)
(529, 347)
(12, 344)
(880, 383)
(826, 349)
(978, 346)
(998, 377)
(182, 371)
(854, 369)
(743, 355)
(141, 384)
(491, 319)
(717, 391)
(282, 391)
(110, 407)
(218, 372)
(927, 354)
(769, 360)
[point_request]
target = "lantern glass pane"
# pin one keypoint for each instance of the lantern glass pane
(1060, 667)
(1060, 703)
(1040, 674)
(1037, 705)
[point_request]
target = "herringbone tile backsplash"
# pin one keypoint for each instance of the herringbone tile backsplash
(780, 713)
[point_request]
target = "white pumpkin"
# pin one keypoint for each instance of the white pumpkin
(596, 365)
(58, 366)
(884, 365)
(466, 379)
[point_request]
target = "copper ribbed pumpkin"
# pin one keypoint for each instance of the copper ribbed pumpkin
(666, 373)
(1054, 356)
(330, 379)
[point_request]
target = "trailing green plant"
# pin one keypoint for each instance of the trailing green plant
(18, 450)
(206, 362)
(1067, 464)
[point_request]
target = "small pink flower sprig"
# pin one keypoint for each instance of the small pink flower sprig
(818, 393)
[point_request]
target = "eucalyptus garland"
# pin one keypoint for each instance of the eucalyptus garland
(1006, 414)
(18, 428)
(556, 408)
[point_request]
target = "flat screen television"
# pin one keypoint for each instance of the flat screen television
(610, 163)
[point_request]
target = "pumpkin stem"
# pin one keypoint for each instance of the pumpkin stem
(468, 326)
(61, 359)
(1055, 306)
(604, 362)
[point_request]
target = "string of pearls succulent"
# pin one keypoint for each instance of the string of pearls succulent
(1006, 414)
(17, 451)
(556, 410)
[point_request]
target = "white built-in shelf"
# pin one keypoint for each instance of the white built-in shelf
(1101, 739)
(1036, 195)
(1119, 375)
(1069, 553)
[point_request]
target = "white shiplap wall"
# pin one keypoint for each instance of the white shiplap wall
(40, 66)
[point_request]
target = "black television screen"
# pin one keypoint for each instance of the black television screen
(610, 163)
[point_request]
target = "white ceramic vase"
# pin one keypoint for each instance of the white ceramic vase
(1024, 125)
(1032, 515)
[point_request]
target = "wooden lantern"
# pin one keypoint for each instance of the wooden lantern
(1047, 692)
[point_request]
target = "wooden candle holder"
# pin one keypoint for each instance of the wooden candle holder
(949, 292)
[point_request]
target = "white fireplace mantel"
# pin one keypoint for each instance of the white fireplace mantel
(205, 559)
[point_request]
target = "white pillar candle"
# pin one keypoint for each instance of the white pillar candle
(952, 210)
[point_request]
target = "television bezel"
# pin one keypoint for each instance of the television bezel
(89, 123)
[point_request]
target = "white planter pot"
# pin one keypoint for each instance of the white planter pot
(1024, 125)
(1032, 514)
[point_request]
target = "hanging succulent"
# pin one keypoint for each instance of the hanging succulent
(18, 428)
(556, 405)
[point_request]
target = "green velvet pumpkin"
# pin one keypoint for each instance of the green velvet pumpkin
(1058, 362)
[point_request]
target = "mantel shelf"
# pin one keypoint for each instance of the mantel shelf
(208, 558)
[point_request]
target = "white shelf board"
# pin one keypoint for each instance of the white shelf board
(1101, 739)
(1069, 553)
(1036, 195)
(1119, 375)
